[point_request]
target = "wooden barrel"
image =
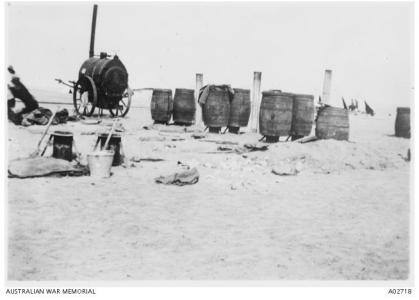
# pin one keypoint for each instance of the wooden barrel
(275, 114)
(239, 110)
(161, 105)
(402, 125)
(216, 110)
(302, 115)
(332, 123)
(184, 107)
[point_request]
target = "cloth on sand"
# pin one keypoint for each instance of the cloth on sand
(288, 168)
(183, 178)
(199, 135)
(44, 166)
(255, 147)
(41, 116)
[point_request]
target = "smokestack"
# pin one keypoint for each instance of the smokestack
(92, 35)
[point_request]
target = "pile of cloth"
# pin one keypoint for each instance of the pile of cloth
(205, 91)
(42, 115)
(180, 179)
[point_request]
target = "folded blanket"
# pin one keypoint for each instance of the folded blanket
(180, 179)
(44, 166)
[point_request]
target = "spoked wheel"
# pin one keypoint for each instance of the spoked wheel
(123, 105)
(85, 97)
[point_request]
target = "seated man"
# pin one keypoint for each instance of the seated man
(19, 91)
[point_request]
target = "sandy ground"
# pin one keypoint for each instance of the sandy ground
(344, 216)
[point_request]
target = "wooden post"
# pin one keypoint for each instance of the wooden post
(327, 84)
(254, 121)
(198, 113)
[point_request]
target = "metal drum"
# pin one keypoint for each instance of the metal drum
(102, 81)
(109, 75)
(62, 145)
(184, 107)
(161, 106)
(302, 115)
(332, 123)
(275, 115)
(114, 144)
(239, 110)
(402, 125)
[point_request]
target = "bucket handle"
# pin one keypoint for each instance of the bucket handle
(110, 133)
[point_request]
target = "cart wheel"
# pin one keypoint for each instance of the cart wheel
(123, 105)
(85, 98)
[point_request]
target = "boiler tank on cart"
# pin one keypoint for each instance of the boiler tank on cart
(102, 82)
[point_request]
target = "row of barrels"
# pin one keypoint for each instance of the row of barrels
(182, 107)
(220, 110)
(281, 114)
(286, 114)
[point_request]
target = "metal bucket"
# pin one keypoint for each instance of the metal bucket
(114, 144)
(100, 163)
(62, 145)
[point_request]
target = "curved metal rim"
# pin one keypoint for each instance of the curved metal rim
(114, 111)
(94, 90)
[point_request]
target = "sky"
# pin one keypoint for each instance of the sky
(368, 46)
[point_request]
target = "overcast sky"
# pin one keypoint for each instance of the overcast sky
(369, 46)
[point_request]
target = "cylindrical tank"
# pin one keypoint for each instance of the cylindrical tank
(161, 105)
(239, 110)
(62, 146)
(402, 125)
(114, 144)
(302, 115)
(184, 107)
(109, 75)
(332, 123)
(216, 110)
(275, 114)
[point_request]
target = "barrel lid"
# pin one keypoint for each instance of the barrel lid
(272, 92)
(405, 109)
(304, 96)
(287, 94)
(333, 109)
(62, 133)
(239, 90)
(162, 90)
(184, 90)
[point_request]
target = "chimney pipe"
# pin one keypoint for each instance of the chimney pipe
(92, 35)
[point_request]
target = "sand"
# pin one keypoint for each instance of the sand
(344, 216)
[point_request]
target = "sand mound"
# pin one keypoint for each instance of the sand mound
(328, 156)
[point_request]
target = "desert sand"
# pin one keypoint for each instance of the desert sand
(344, 216)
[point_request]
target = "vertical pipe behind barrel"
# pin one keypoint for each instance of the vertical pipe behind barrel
(327, 84)
(92, 35)
(199, 84)
(254, 121)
